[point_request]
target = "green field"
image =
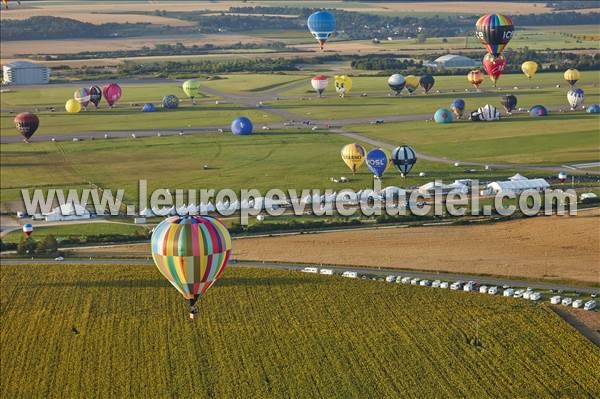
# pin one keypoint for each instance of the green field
(273, 334)
(65, 230)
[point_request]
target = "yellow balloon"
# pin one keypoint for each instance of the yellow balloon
(343, 84)
(529, 68)
(572, 76)
(72, 106)
(411, 83)
(353, 156)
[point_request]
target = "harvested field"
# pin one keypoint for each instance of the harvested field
(545, 247)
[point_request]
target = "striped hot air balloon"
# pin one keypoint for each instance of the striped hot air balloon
(404, 158)
(27, 229)
(192, 253)
(319, 83)
(494, 31)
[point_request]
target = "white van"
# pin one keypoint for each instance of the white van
(567, 301)
(390, 279)
(310, 270)
(578, 303)
(555, 300)
(456, 286)
(425, 283)
(493, 290)
(405, 280)
(508, 292)
(415, 281)
(436, 284)
(483, 289)
(589, 305)
(349, 274)
(534, 296)
(327, 272)
(445, 285)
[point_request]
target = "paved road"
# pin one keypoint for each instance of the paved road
(542, 285)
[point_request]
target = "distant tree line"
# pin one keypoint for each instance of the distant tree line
(572, 4)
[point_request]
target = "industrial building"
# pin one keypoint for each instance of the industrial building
(450, 61)
(25, 73)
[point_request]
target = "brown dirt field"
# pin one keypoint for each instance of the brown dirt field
(546, 247)
(586, 322)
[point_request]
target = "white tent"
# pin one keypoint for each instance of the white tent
(68, 212)
(444, 188)
(518, 176)
(146, 212)
(517, 186)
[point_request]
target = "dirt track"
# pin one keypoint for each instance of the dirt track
(546, 247)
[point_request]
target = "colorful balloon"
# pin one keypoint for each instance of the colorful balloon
(426, 82)
(191, 252)
(95, 95)
(572, 76)
(458, 107)
(148, 107)
(529, 68)
(72, 106)
(343, 84)
(411, 83)
(442, 115)
(494, 66)
(494, 31)
(538, 110)
(319, 83)
(191, 88)
(27, 123)
(377, 162)
(82, 96)
(353, 156)
(575, 97)
(486, 113)
(321, 24)
(475, 77)
(241, 126)
(396, 83)
(509, 102)
(170, 101)
(593, 109)
(562, 176)
(404, 158)
(112, 93)
(27, 229)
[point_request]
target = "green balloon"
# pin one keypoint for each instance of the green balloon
(191, 88)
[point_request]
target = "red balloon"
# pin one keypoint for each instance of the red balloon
(111, 93)
(494, 66)
(27, 123)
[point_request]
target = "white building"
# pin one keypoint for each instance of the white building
(68, 212)
(516, 186)
(450, 61)
(25, 73)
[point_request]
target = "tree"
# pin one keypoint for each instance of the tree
(26, 246)
(421, 38)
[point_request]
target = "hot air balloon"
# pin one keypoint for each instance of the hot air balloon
(529, 68)
(170, 101)
(241, 126)
(5, 2)
(95, 95)
(562, 176)
(72, 106)
(319, 83)
(112, 93)
(192, 253)
(343, 84)
(321, 24)
(82, 96)
(411, 83)
(494, 66)
(396, 83)
(458, 107)
(353, 156)
(27, 229)
(572, 76)
(442, 115)
(377, 162)
(486, 113)
(426, 82)
(509, 102)
(148, 107)
(593, 109)
(538, 110)
(191, 88)
(27, 123)
(494, 31)
(575, 97)
(475, 77)
(404, 158)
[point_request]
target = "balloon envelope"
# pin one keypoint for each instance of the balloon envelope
(396, 82)
(170, 101)
(494, 66)
(343, 84)
(82, 96)
(562, 176)
(411, 83)
(509, 102)
(572, 76)
(426, 82)
(458, 107)
(475, 77)
(353, 156)
(27, 123)
(319, 83)
(191, 88)
(377, 161)
(148, 107)
(241, 126)
(72, 106)
(442, 115)
(321, 24)
(404, 158)
(594, 109)
(575, 97)
(529, 68)
(538, 110)
(112, 93)
(191, 252)
(95, 95)
(27, 229)
(494, 31)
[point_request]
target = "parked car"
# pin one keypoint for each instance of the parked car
(534, 296)
(390, 279)
(508, 292)
(567, 301)
(444, 285)
(456, 286)
(493, 290)
(406, 280)
(415, 281)
(436, 284)
(425, 283)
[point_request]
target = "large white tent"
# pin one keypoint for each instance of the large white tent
(68, 212)
(517, 186)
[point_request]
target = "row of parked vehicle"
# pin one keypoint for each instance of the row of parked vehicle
(469, 286)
